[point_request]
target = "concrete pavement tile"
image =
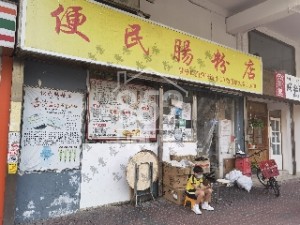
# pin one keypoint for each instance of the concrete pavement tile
(237, 207)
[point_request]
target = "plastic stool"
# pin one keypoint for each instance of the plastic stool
(191, 200)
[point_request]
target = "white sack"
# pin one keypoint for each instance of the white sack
(245, 182)
(233, 175)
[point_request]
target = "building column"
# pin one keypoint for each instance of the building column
(5, 92)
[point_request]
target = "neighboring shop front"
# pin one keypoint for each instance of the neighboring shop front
(271, 123)
(8, 13)
(123, 89)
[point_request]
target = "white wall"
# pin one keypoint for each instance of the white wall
(297, 132)
(185, 16)
(286, 140)
(103, 172)
(103, 169)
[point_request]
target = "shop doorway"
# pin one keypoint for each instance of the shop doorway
(275, 141)
(257, 130)
(219, 117)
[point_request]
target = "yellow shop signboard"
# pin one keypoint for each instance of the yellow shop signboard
(91, 32)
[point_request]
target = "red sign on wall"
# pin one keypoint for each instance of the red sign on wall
(280, 84)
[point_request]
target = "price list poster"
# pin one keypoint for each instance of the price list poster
(52, 130)
(125, 112)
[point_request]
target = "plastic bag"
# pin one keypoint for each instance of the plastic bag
(245, 182)
(233, 175)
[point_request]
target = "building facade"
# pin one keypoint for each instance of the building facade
(94, 85)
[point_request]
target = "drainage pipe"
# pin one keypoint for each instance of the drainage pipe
(294, 164)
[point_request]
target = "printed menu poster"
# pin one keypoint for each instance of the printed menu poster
(121, 111)
(52, 130)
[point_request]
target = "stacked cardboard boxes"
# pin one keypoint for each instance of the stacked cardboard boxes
(175, 195)
(174, 182)
(205, 164)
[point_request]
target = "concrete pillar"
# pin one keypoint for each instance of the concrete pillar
(5, 92)
(14, 128)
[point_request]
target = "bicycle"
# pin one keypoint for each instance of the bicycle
(266, 171)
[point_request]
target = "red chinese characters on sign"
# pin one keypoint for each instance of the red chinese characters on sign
(219, 61)
(182, 51)
(132, 37)
(280, 84)
(68, 21)
(249, 70)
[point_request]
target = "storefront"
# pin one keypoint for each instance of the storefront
(226, 111)
(123, 89)
(271, 121)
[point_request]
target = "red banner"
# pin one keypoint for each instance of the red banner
(280, 84)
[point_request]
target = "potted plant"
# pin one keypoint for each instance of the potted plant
(256, 123)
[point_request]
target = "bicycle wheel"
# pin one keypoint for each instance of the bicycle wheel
(261, 178)
(275, 186)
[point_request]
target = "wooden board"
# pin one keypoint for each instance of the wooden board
(229, 164)
(142, 160)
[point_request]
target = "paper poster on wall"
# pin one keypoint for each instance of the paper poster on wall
(187, 111)
(13, 152)
(177, 121)
(121, 112)
(52, 129)
(224, 135)
(225, 127)
(13, 147)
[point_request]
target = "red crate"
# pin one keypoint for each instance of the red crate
(244, 165)
(269, 168)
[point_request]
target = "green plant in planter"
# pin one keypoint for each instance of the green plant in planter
(255, 122)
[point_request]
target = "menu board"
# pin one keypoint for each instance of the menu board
(121, 111)
(52, 129)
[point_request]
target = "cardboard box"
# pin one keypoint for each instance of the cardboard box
(205, 164)
(229, 165)
(178, 181)
(182, 157)
(169, 170)
(175, 195)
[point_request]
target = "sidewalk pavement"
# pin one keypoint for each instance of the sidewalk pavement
(283, 177)
(237, 207)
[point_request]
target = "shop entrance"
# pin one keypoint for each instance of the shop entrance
(218, 120)
(257, 130)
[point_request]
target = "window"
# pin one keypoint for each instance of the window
(212, 111)
(276, 55)
(275, 136)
